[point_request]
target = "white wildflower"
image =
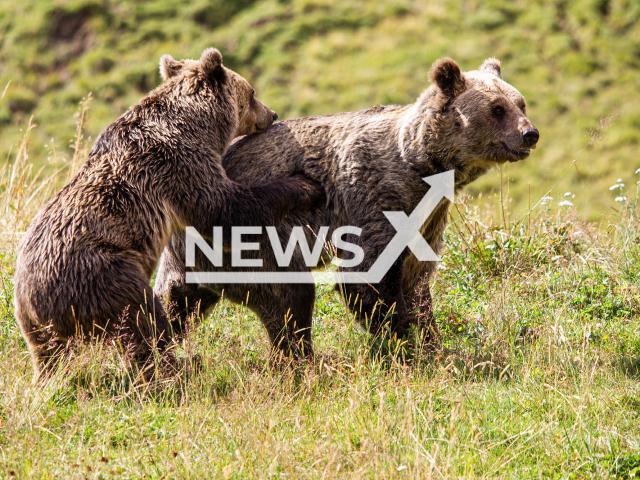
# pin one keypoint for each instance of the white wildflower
(622, 198)
(565, 203)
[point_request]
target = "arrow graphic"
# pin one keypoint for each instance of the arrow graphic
(407, 235)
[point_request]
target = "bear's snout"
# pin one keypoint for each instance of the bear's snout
(275, 116)
(530, 137)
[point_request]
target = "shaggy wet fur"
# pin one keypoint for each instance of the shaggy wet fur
(368, 162)
(84, 266)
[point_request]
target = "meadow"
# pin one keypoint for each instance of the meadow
(536, 298)
(574, 62)
(537, 374)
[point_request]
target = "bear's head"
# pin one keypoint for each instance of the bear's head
(251, 115)
(476, 117)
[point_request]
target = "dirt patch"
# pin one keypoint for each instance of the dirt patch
(71, 29)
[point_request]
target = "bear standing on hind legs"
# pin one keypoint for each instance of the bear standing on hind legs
(370, 162)
(84, 265)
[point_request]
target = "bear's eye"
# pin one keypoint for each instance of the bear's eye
(253, 93)
(498, 111)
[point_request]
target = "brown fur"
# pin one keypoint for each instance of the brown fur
(369, 162)
(84, 265)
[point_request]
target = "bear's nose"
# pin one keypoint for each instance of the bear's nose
(275, 116)
(530, 136)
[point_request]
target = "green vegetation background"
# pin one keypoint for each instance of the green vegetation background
(575, 62)
(538, 374)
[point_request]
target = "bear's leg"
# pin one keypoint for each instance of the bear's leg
(46, 348)
(45, 355)
(127, 308)
(145, 327)
(421, 304)
(289, 328)
(377, 305)
(186, 301)
(285, 310)
(296, 320)
(418, 295)
(187, 304)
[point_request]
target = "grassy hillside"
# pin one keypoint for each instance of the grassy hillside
(574, 61)
(538, 372)
(537, 375)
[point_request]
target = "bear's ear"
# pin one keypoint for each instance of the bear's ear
(447, 76)
(491, 65)
(210, 60)
(169, 67)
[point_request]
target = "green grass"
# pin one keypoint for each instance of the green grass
(538, 374)
(562, 404)
(575, 62)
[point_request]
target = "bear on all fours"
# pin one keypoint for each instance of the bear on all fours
(368, 162)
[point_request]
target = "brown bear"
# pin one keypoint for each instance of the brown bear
(84, 266)
(368, 162)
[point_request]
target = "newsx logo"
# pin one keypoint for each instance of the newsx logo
(407, 235)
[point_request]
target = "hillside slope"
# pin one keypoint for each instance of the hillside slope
(575, 62)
